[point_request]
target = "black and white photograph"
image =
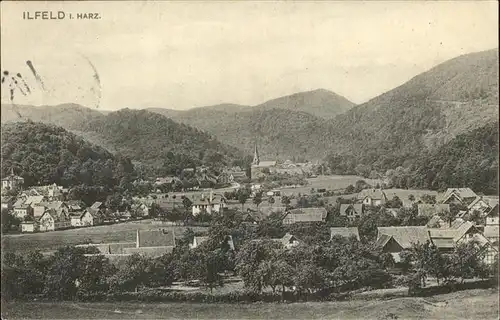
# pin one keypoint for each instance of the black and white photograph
(250, 160)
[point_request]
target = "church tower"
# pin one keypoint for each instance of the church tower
(256, 160)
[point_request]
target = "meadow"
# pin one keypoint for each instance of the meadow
(470, 304)
(334, 182)
(47, 241)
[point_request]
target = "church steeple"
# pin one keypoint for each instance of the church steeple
(256, 160)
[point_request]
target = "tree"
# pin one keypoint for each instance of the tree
(448, 216)
(93, 279)
(286, 201)
(257, 199)
(131, 275)
(475, 217)
(271, 200)
(65, 268)
(242, 198)
(9, 221)
(426, 198)
(411, 197)
(350, 189)
(249, 258)
(187, 203)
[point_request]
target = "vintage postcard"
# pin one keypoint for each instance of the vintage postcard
(249, 160)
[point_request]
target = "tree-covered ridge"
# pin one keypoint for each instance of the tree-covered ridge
(46, 154)
(153, 139)
(470, 159)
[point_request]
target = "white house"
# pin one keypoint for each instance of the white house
(372, 197)
(12, 181)
(50, 221)
(213, 204)
(29, 226)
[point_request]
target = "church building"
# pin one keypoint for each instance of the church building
(259, 168)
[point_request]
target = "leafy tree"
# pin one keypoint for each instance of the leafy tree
(187, 203)
(131, 275)
(285, 200)
(9, 221)
(63, 272)
(350, 189)
(242, 198)
(426, 198)
(257, 199)
(411, 197)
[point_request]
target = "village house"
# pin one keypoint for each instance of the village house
(12, 181)
(50, 220)
(345, 232)
(23, 211)
(458, 196)
(479, 204)
(140, 210)
(30, 226)
(86, 218)
(59, 206)
(395, 239)
(288, 241)
(351, 211)
(198, 240)
(153, 243)
(447, 239)
(305, 215)
(214, 203)
(372, 197)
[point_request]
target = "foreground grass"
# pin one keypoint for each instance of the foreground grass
(122, 232)
(471, 304)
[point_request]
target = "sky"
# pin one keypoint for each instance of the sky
(180, 55)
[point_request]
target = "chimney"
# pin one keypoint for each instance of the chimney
(137, 239)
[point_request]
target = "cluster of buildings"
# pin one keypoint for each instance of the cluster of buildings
(260, 168)
(45, 208)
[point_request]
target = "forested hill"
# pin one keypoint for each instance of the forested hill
(469, 160)
(425, 113)
(279, 133)
(46, 154)
(154, 139)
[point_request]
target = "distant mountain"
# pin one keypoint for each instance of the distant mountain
(66, 115)
(153, 139)
(321, 103)
(46, 154)
(138, 134)
(454, 97)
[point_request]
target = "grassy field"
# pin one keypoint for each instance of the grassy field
(123, 232)
(472, 304)
(329, 183)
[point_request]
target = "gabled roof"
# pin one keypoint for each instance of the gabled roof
(406, 236)
(476, 201)
(96, 205)
(382, 240)
(33, 200)
(493, 212)
(346, 232)
(156, 238)
(286, 239)
(357, 207)
(447, 238)
(18, 203)
(429, 210)
(491, 231)
(461, 193)
(312, 212)
(375, 194)
(266, 164)
(309, 217)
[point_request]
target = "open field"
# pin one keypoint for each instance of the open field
(122, 232)
(334, 182)
(471, 304)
